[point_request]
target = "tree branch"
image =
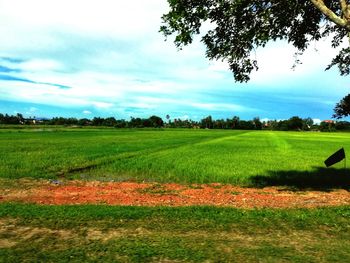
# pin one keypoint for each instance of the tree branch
(345, 9)
(343, 5)
(320, 5)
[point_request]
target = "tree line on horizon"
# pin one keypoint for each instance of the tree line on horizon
(294, 123)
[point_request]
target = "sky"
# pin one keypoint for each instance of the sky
(87, 58)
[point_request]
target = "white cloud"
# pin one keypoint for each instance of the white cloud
(140, 105)
(87, 112)
(219, 65)
(104, 16)
(317, 121)
(276, 60)
(112, 56)
(184, 117)
(40, 65)
(220, 107)
(103, 105)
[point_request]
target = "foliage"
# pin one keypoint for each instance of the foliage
(342, 125)
(10, 119)
(327, 126)
(294, 123)
(156, 121)
(342, 109)
(240, 27)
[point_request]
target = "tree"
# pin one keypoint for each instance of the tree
(342, 125)
(20, 118)
(207, 122)
(84, 122)
(136, 122)
(307, 123)
(257, 123)
(342, 109)
(241, 26)
(97, 121)
(327, 126)
(295, 123)
(235, 122)
(156, 121)
(246, 125)
(111, 121)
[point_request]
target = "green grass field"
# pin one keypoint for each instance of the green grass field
(184, 156)
(100, 233)
(35, 233)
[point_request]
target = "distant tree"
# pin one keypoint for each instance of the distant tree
(295, 123)
(156, 121)
(236, 121)
(20, 118)
(283, 125)
(327, 126)
(246, 125)
(342, 125)
(97, 121)
(10, 119)
(257, 123)
(270, 125)
(207, 122)
(121, 124)
(71, 121)
(342, 109)
(84, 122)
(57, 121)
(136, 123)
(110, 122)
(307, 123)
(219, 124)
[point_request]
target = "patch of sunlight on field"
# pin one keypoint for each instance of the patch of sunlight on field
(233, 159)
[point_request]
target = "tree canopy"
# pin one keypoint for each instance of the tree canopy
(342, 109)
(241, 26)
(294, 123)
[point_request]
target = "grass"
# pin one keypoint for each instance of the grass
(99, 233)
(184, 156)
(34, 233)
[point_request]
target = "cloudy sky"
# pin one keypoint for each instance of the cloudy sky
(87, 58)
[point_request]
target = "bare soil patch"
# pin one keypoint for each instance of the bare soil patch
(11, 234)
(155, 194)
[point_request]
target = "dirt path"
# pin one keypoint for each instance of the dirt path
(153, 194)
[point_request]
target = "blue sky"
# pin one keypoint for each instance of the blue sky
(106, 58)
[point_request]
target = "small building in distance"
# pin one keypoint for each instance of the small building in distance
(329, 121)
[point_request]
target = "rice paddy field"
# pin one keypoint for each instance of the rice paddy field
(104, 233)
(184, 156)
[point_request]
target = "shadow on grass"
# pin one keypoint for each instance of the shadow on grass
(322, 179)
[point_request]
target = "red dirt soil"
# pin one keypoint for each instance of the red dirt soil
(153, 194)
